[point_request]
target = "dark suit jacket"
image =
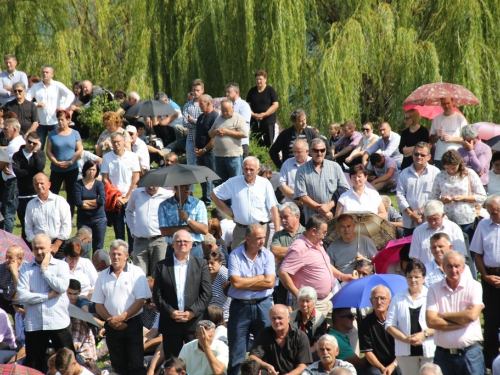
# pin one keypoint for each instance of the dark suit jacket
(197, 294)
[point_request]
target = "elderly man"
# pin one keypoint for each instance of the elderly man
(436, 222)
(204, 355)
(9, 78)
(348, 142)
(328, 350)
(42, 289)
(140, 148)
(453, 308)
(387, 145)
(310, 187)
(101, 260)
(446, 130)
(227, 132)
(487, 250)
(24, 109)
(289, 169)
(182, 291)
(252, 201)
(9, 275)
(281, 348)
(414, 187)
(383, 172)
(374, 340)
(190, 113)
(50, 95)
(242, 108)
(252, 276)
(350, 247)
(48, 213)
(142, 219)
(476, 154)
(119, 294)
(10, 195)
(430, 369)
(209, 244)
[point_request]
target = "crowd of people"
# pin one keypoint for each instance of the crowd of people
(248, 290)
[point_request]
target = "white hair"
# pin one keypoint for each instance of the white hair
(103, 255)
(330, 339)
(434, 207)
(307, 291)
(430, 368)
(252, 158)
(134, 95)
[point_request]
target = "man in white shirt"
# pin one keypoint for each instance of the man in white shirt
(242, 108)
(9, 77)
(446, 130)
(142, 219)
(140, 148)
(289, 169)
(50, 95)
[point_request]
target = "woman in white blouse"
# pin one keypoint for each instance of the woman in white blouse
(360, 198)
(80, 268)
(366, 141)
(414, 343)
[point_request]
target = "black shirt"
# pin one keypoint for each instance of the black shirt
(295, 350)
(374, 338)
(409, 139)
(26, 112)
(260, 102)
(203, 125)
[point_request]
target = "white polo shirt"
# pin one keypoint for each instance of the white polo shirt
(196, 360)
(121, 169)
(368, 201)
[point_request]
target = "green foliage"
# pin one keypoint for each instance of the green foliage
(91, 116)
(260, 152)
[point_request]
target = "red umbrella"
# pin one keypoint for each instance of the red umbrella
(16, 369)
(432, 93)
(428, 111)
(487, 130)
(389, 254)
(7, 240)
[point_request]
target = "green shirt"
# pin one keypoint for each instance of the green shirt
(283, 239)
(345, 348)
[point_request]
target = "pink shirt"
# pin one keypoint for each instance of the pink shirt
(309, 266)
(442, 299)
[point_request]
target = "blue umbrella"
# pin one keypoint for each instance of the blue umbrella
(357, 292)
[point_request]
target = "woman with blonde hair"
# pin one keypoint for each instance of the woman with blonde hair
(113, 123)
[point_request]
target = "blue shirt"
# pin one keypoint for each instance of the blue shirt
(8, 80)
(64, 148)
(240, 265)
(174, 105)
(243, 108)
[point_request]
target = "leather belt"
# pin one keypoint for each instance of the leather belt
(250, 301)
(148, 238)
(246, 226)
(492, 270)
(459, 351)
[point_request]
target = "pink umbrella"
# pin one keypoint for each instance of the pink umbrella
(487, 130)
(389, 254)
(432, 93)
(7, 240)
(428, 111)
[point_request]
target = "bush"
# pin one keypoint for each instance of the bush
(260, 152)
(91, 116)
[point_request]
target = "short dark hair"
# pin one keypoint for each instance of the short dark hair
(336, 313)
(213, 255)
(33, 135)
(63, 112)
(415, 265)
(261, 73)
(315, 221)
(298, 113)
(437, 236)
(176, 363)
(343, 217)
(375, 158)
(495, 157)
(249, 367)
(216, 315)
(89, 164)
(353, 171)
(75, 284)
(120, 94)
(217, 213)
(73, 249)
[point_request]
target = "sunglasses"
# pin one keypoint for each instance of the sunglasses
(316, 151)
(348, 316)
(31, 142)
(366, 129)
(418, 154)
(18, 91)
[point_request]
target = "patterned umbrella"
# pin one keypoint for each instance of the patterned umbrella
(432, 93)
(7, 240)
(16, 369)
(428, 111)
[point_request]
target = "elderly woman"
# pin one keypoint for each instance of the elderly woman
(113, 123)
(360, 198)
(476, 154)
(219, 278)
(460, 190)
(328, 349)
(414, 343)
(368, 139)
(413, 134)
(309, 320)
(80, 268)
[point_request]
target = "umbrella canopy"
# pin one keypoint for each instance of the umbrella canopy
(178, 174)
(432, 93)
(389, 254)
(151, 108)
(379, 230)
(356, 293)
(78, 313)
(7, 240)
(487, 130)
(428, 111)
(16, 369)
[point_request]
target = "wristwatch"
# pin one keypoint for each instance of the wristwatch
(426, 334)
(188, 220)
(43, 269)
(420, 213)
(205, 150)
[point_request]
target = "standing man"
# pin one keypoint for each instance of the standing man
(190, 113)
(182, 291)
(253, 201)
(387, 145)
(119, 294)
(9, 77)
(142, 219)
(227, 132)
(251, 276)
(310, 186)
(414, 187)
(204, 145)
(289, 169)
(139, 148)
(50, 95)
(42, 289)
(24, 109)
(453, 308)
(242, 108)
(348, 142)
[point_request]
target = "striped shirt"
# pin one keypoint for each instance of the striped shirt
(193, 109)
(218, 296)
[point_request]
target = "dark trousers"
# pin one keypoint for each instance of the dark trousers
(126, 348)
(491, 300)
(118, 219)
(69, 178)
(98, 227)
(37, 343)
(10, 202)
(207, 160)
(264, 133)
(21, 213)
(172, 344)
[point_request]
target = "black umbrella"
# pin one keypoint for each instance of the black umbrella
(176, 175)
(150, 108)
(78, 313)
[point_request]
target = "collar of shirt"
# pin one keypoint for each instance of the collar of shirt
(52, 262)
(178, 263)
(51, 197)
(112, 270)
(492, 223)
(461, 284)
(50, 83)
(309, 243)
(296, 163)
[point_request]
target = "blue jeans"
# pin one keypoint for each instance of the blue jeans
(472, 362)
(190, 156)
(98, 228)
(10, 202)
(43, 131)
(243, 320)
(228, 167)
(207, 160)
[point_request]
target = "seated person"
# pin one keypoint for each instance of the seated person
(204, 355)
(393, 215)
(250, 367)
(383, 172)
(348, 249)
(285, 349)
(174, 366)
(398, 268)
(9, 272)
(494, 175)
(328, 350)
(101, 260)
(73, 292)
(363, 268)
(216, 316)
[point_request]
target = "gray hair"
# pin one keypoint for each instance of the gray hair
(47, 67)
(209, 239)
(13, 123)
(382, 287)
(438, 235)
(252, 158)
(116, 134)
(430, 368)
(492, 199)
(207, 324)
(206, 98)
(265, 168)
(317, 141)
(40, 237)
(300, 141)
(234, 86)
(19, 84)
(386, 200)
(134, 95)
(469, 132)
(330, 339)
(174, 237)
(307, 291)
(226, 101)
(453, 253)
(433, 207)
(340, 371)
(115, 244)
(84, 232)
(251, 228)
(294, 209)
(161, 96)
(103, 255)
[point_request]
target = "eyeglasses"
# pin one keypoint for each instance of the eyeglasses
(379, 298)
(117, 141)
(316, 151)
(32, 142)
(348, 316)
(407, 118)
(365, 129)
(421, 155)
(18, 91)
(180, 242)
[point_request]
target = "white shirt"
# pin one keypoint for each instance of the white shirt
(141, 149)
(243, 108)
(13, 147)
(117, 294)
(287, 173)
(142, 212)
(52, 217)
(180, 272)
(486, 242)
(494, 183)
(451, 125)
(197, 362)
(54, 95)
(120, 169)
(6, 80)
(227, 227)
(368, 201)
(86, 274)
